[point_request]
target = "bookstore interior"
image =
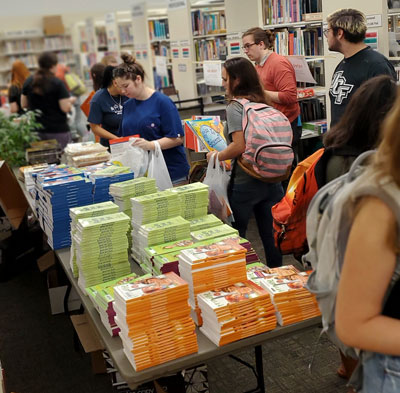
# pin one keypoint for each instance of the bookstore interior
(153, 276)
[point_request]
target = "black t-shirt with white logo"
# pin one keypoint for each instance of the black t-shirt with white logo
(351, 73)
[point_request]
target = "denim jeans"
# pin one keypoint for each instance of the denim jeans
(258, 197)
(381, 374)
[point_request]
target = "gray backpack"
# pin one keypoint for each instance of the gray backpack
(329, 220)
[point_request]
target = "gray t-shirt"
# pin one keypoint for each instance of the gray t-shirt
(234, 114)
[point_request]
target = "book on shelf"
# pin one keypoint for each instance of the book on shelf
(208, 22)
(158, 29)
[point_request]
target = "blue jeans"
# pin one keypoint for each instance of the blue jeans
(258, 197)
(381, 374)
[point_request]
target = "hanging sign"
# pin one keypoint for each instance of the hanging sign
(161, 66)
(303, 73)
(212, 73)
(176, 4)
(182, 68)
(374, 20)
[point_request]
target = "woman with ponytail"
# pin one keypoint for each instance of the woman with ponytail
(45, 92)
(153, 116)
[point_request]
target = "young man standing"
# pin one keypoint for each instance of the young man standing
(276, 74)
(345, 34)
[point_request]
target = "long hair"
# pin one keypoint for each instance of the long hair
(359, 126)
(97, 73)
(43, 76)
(388, 157)
(129, 68)
(107, 77)
(243, 80)
(19, 73)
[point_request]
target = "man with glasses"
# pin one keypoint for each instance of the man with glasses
(276, 74)
(345, 34)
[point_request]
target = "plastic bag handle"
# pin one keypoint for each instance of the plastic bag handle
(357, 162)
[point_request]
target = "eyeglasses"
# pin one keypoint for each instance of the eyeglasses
(248, 46)
(326, 32)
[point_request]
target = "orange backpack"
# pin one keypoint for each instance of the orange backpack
(289, 215)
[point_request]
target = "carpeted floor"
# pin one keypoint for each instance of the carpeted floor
(38, 356)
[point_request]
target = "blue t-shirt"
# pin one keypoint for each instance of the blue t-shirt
(155, 118)
(107, 111)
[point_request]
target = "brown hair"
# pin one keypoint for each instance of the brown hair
(129, 69)
(97, 72)
(359, 126)
(388, 157)
(260, 35)
(41, 80)
(243, 80)
(351, 21)
(19, 73)
(109, 60)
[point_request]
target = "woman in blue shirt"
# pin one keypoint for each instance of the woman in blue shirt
(106, 109)
(153, 116)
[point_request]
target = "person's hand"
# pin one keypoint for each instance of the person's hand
(211, 154)
(72, 99)
(143, 144)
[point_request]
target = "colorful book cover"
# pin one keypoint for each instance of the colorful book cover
(210, 132)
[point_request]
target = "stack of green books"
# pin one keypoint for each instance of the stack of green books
(214, 232)
(160, 232)
(193, 199)
(101, 248)
(98, 209)
(204, 222)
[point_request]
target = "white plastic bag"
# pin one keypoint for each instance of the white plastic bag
(135, 158)
(218, 179)
(158, 168)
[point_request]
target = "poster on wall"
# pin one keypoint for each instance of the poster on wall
(138, 55)
(212, 73)
(185, 52)
(161, 66)
(371, 39)
(235, 48)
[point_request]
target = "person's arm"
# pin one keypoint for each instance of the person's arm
(66, 104)
(24, 101)
(233, 150)
(13, 107)
(368, 267)
(165, 143)
(101, 132)
(285, 84)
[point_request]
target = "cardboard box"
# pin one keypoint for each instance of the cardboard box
(12, 198)
(53, 25)
(90, 341)
(57, 285)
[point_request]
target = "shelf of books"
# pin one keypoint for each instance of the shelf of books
(125, 35)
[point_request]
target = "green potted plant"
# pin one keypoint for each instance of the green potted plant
(16, 135)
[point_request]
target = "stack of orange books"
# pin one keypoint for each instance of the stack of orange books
(154, 317)
(293, 302)
(237, 311)
(209, 266)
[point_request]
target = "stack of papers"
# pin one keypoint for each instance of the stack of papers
(210, 266)
(193, 199)
(204, 222)
(102, 179)
(54, 198)
(85, 153)
(293, 302)
(154, 318)
(159, 232)
(214, 232)
(101, 246)
(98, 209)
(237, 311)
(102, 296)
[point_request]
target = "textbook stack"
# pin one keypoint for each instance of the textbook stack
(159, 232)
(101, 246)
(236, 311)
(85, 153)
(154, 317)
(151, 208)
(98, 209)
(204, 222)
(212, 265)
(193, 200)
(122, 193)
(102, 179)
(56, 193)
(293, 302)
(214, 232)
(102, 296)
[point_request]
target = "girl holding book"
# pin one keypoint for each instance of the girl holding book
(247, 195)
(367, 307)
(153, 116)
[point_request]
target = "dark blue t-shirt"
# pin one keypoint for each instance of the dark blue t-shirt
(155, 118)
(107, 111)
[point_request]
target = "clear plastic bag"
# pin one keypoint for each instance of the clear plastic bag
(135, 158)
(158, 168)
(218, 179)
